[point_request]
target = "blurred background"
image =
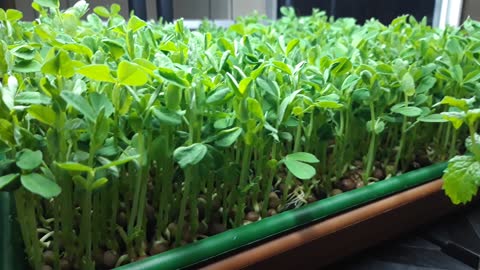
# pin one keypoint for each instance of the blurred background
(438, 12)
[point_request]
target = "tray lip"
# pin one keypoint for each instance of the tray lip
(332, 226)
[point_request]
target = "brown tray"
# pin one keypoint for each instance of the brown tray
(328, 241)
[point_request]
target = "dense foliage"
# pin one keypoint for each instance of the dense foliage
(127, 138)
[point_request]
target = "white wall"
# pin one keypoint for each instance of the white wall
(221, 9)
(188, 9)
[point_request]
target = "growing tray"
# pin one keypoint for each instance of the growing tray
(315, 235)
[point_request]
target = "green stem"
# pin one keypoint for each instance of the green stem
(340, 144)
(453, 144)
(183, 206)
(402, 139)
(266, 192)
(210, 193)
(56, 236)
(239, 215)
(259, 160)
(229, 194)
(115, 203)
(446, 139)
(371, 149)
(86, 227)
(26, 217)
(195, 185)
(402, 144)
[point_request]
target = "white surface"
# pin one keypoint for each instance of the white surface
(447, 12)
(194, 24)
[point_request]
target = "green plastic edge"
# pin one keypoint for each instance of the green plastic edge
(11, 250)
(233, 239)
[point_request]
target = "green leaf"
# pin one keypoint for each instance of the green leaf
(179, 28)
(118, 162)
(27, 66)
(43, 114)
(457, 73)
(461, 179)
(454, 47)
(223, 123)
(74, 167)
(472, 77)
(472, 116)
(377, 127)
(29, 160)
(101, 11)
(60, 64)
(32, 98)
(340, 66)
(456, 118)
(291, 45)
(244, 85)
(224, 59)
(408, 111)
(303, 157)
(101, 101)
(98, 72)
(14, 15)
(81, 181)
(99, 183)
(296, 164)
(350, 82)
(473, 148)
(433, 118)
(172, 77)
(115, 8)
(6, 180)
(284, 105)
(233, 82)
(116, 49)
(190, 155)
(426, 84)
(101, 129)
(283, 67)
(255, 108)
(40, 185)
(167, 117)
(173, 97)
(407, 84)
(226, 138)
(80, 104)
(384, 69)
(9, 91)
(79, 49)
(329, 102)
(48, 3)
(444, 74)
(239, 28)
(24, 52)
(462, 104)
(270, 87)
(131, 74)
(361, 95)
(420, 99)
(6, 131)
(299, 169)
(219, 96)
(148, 66)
